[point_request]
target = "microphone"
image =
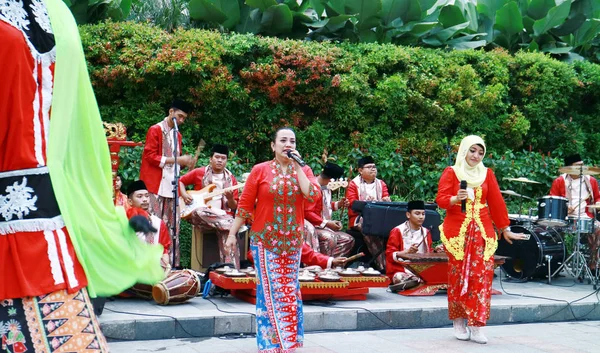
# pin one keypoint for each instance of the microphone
(296, 158)
(463, 203)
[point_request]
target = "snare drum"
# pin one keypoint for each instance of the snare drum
(552, 211)
(177, 288)
(584, 225)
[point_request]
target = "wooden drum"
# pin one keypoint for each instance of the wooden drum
(177, 288)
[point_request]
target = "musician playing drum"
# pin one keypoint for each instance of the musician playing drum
(469, 237)
(409, 237)
(571, 187)
(157, 233)
(218, 216)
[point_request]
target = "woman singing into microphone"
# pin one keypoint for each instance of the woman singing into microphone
(469, 238)
(273, 197)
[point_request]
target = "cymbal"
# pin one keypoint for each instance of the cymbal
(580, 169)
(523, 180)
(512, 193)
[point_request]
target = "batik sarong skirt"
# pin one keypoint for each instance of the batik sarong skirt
(52, 323)
(279, 318)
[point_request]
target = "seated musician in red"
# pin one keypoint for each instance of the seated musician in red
(332, 241)
(138, 198)
(218, 216)
(570, 186)
(366, 187)
(409, 237)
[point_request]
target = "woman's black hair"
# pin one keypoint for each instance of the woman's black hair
(281, 128)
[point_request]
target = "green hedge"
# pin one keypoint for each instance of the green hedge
(396, 103)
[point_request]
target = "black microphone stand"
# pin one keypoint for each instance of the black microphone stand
(174, 235)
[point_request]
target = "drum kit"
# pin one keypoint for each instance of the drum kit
(543, 252)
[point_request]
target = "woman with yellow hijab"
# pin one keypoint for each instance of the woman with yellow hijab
(469, 237)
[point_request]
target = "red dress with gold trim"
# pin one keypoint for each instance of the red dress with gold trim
(471, 241)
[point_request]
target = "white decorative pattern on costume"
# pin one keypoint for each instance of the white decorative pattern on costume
(12, 11)
(41, 15)
(18, 201)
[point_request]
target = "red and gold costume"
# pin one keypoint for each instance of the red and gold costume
(470, 241)
(400, 239)
(273, 198)
(358, 189)
(219, 217)
(568, 187)
(331, 242)
(158, 175)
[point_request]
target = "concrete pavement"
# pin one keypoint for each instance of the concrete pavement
(571, 337)
(530, 302)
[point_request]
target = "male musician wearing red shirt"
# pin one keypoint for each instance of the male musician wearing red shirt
(332, 241)
(366, 187)
(218, 216)
(409, 237)
(138, 199)
(571, 186)
(157, 169)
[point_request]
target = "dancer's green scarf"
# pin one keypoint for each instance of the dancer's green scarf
(79, 162)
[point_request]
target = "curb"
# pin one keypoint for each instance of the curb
(350, 319)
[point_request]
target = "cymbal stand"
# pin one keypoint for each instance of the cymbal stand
(579, 267)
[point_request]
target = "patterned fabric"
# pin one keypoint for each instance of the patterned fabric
(334, 243)
(53, 323)
(121, 200)
(310, 236)
(470, 241)
(279, 317)
(273, 197)
(375, 244)
(208, 220)
(162, 208)
(473, 304)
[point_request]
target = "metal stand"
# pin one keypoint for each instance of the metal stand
(175, 236)
(579, 268)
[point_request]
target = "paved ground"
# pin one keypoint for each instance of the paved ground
(564, 300)
(572, 337)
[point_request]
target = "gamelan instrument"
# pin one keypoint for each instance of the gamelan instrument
(201, 197)
(523, 180)
(512, 193)
(432, 268)
(538, 256)
(579, 170)
(177, 288)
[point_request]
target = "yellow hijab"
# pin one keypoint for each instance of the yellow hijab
(475, 176)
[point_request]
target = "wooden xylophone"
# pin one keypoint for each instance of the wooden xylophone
(348, 288)
(432, 268)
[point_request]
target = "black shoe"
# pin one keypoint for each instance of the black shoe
(403, 285)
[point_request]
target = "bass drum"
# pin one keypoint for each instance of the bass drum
(528, 257)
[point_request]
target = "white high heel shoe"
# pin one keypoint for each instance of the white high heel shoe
(461, 332)
(477, 335)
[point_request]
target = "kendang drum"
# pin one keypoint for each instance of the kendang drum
(584, 224)
(177, 288)
(529, 258)
(552, 211)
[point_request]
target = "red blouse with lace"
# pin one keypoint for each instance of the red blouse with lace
(274, 199)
